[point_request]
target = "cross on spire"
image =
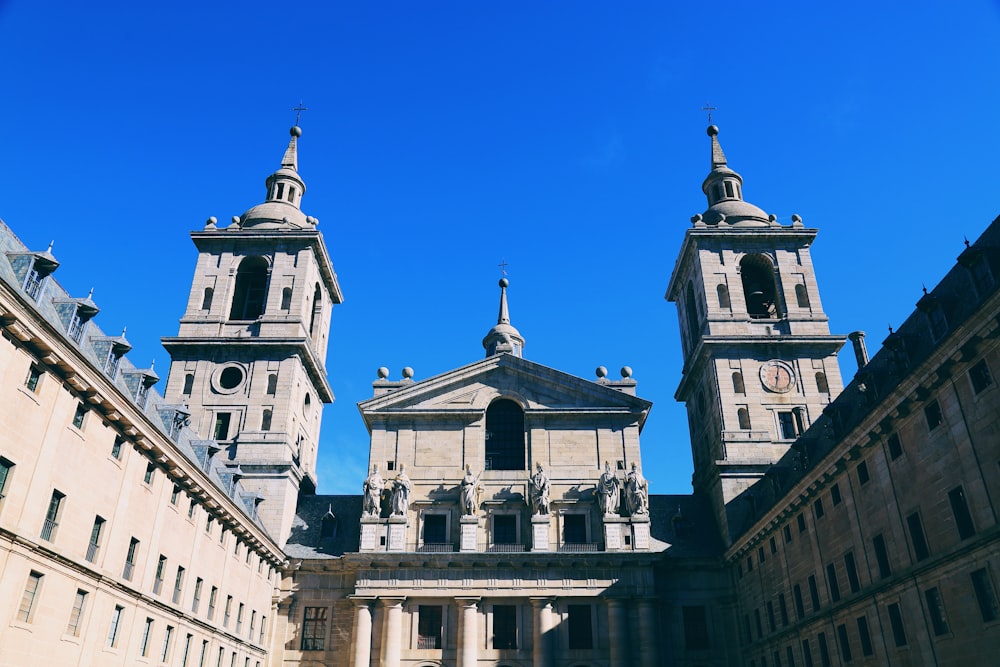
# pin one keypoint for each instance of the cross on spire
(503, 267)
(709, 108)
(298, 111)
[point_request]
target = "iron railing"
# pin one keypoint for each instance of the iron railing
(48, 528)
(92, 552)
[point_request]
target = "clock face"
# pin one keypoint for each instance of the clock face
(777, 376)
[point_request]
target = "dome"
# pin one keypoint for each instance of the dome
(737, 212)
(273, 215)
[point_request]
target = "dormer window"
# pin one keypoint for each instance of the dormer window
(111, 363)
(76, 326)
(33, 283)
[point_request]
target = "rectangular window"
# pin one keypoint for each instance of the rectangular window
(429, 621)
(932, 412)
(161, 566)
(187, 650)
(760, 554)
(146, 632)
(209, 519)
(574, 528)
(253, 623)
(790, 656)
(695, 628)
(175, 494)
(436, 528)
(35, 374)
(148, 476)
(800, 609)
(813, 592)
(818, 508)
(774, 545)
(228, 611)
(786, 426)
(896, 622)
(802, 522)
(25, 612)
(881, 557)
(221, 429)
(203, 654)
(133, 552)
(845, 643)
(783, 610)
(757, 623)
(787, 530)
(263, 628)
(863, 475)
(986, 595)
(920, 549)
(852, 572)
(504, 529)
(865, 636)
(191, 508)
(807, 655)
(79, 415)
(178, 585)
(833, 586)
(52, 516)
(239, 618)
(196, 600)
(980, 376)
(95, 539)
(73, 627)
(960, 509)
(935, 608)
(211, 602)
(770, 616)
(167, 637)
(5, 469)
(835, 494)
(581, 634)
(824, 651)
(504, 626)
(116, 448)
(116, 618)
(894, 446)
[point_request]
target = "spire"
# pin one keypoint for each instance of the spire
(285, 188)
(724, 189)
(503, 338)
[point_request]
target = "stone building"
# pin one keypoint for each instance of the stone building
(505, 519)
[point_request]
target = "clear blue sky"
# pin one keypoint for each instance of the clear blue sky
(564, 137)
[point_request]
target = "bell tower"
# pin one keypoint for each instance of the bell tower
(249, 358)
(760, 363)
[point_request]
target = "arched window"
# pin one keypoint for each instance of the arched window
(759, 289)
(188, 384)
(272, 384)
(265, 420)
(317, 309)
(286, 298)
(738, 385)
(821, 384)
(251, 289)
(206, 299)
(504, 436)
(744, 418)
(802, 296)
(723, 292)
(691, 313)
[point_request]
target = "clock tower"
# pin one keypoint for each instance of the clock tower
(760, 363)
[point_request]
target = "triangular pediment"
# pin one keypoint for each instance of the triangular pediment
(475, 386)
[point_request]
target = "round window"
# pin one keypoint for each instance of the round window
(231, 377)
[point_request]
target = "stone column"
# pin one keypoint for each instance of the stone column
(392, 631)
(647, 633)
(617, 633)
(541, 629)
(468, 631)
(362, 634)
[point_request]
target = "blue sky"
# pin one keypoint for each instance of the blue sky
(441, 137)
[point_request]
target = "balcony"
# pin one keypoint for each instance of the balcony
(504, 548)
(435, 547)
(579, 547)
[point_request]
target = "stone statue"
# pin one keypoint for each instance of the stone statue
(539, 487)
(470, 491)
(374, 485)
(401, 489)
(609, 491)
(636, 492)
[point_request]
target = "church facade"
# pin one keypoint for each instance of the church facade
(505, 518)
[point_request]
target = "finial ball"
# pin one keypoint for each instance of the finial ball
(626, 372)
(383, 372)
(296, 131)
(504, 282)
(713, 130)
(602, 372)
(408, 373)
(211, 220)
